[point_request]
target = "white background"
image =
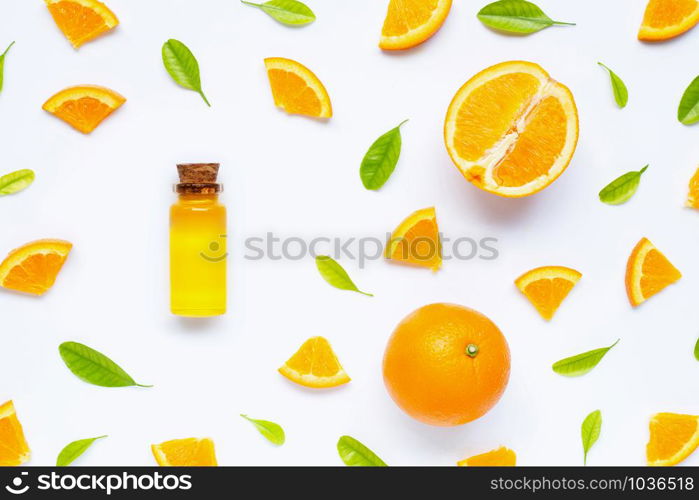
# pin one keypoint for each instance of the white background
(109, 194)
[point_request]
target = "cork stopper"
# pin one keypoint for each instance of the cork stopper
(198, 178)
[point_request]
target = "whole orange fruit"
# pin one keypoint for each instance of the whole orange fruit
(446, 364)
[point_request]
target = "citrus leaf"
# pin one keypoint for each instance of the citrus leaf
(2, 64)
(16, 181)
(696, 350)
(621, 93)
(516, 16)
(590, 430)
(94, 367)
(273, 432)
(73, 450)
(289, 12)
(182, 66)
(355, 454)
(581, 364)
(688, 112)
(335, 275)
(621, 189)
(381, 158)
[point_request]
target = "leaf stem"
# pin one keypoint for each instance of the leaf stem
(141, 385)
(250, 3)
(201, 93)
(366, 293)
(8, 48)
(643, 169)
(403, 123)
(561, 23)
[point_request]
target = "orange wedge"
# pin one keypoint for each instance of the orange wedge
(410, 22)
(673, 437)
(13, 445)
(188, 452)
(315, 365)
(693, 196)
(416, 241)
(32, 268)
(666, 19)
(296, 89)
(511, 129)
(84, 107)
(546, 287)
(81, 20)
(502, 457)
(648, 272)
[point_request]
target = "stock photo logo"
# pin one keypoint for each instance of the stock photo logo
(17, 486)
(216, 250)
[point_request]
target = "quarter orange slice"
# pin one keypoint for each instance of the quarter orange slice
(511, 129)
(673, 437)
(188, 452)
(648, 272)
(296, 89)
(416, 241)
(315, 365)
(410, 22)
(546, 287)
(13, 445)
(502, 457)
(81, 20)
(693, 196)
(85, 106)
(666, 19)
(32, 268)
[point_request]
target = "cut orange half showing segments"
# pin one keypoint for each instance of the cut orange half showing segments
(546, 287)
(315, 365)
(648, 272)
(410, 22)
(502, 457)
(32, 268)
(693, 196)
(13, 445)
(85, 106)
(665, 19)
(296, 89)
(188, 452)
(81, 20)
(416, 241)
(673, 437)
(511, 129)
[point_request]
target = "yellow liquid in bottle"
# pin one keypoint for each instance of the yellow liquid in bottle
(198, 256)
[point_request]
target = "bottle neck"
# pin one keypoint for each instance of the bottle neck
(197, 198)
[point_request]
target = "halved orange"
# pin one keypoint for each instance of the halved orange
(546, 287)
(673, 437)
(648, 272)
(81, 20)
(296, 89)
(666, 19)
(511, 129)
(85, 106)
(416, 241)
(315, 365)
(14, 449)
(188, 452)
(693, 196)
(33, 267)
(501, 457)
(410, 22)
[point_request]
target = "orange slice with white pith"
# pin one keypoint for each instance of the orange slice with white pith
(13, 445)
(315, 365)
(296, 89)
(693, 196)
(84, 107)
(648, 272)
(546, 287)
(665, 19)
(673, 437)
(416, 241)
(188, 452)
(500, 457)
(410, 22)
(82, 20)
(33, 267)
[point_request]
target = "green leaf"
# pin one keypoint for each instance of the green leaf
(73, 450)
(621, 93)
(15, 182)
(355, 454)
(696, 350)
(580, 364)
(182, 66)
(2, 64)
(289, 12)
(621, 189)
(94, 367)
(380, 161)
(335, 275)
(591, 427)
(688, 112)
(273, 432)
(516, 16)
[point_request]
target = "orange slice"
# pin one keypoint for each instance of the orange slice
(81, 20)
(666, 19)
(296, 89)
(546, 287)
(32, 268)
(648, 272)
(416, 241)
(502, 457)
(410, 22)
(315, 365)
(13, 445)
(188, 452)
(511, 129)
(693, 196)
(673, 437)
(84, 107)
